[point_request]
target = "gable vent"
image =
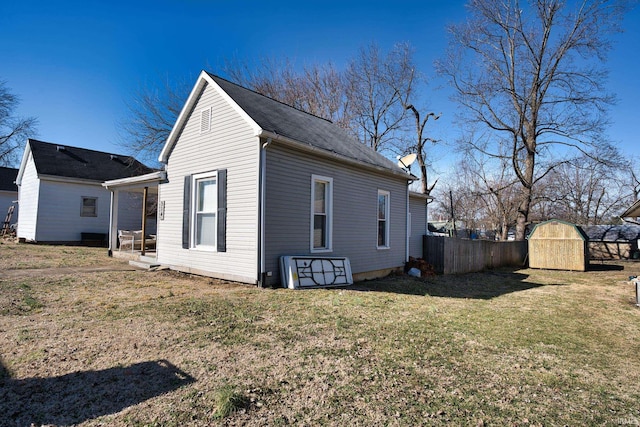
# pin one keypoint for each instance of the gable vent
(60, 148)
(205, 120)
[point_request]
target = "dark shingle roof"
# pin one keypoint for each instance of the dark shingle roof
(7, 179)
(80, 163)
(305, 128)
(613, 233)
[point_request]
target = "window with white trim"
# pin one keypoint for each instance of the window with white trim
(321, 213)
(205, 209)
(383, 219)
(89, 206)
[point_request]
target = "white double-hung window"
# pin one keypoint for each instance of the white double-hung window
(205, 198)
(321, 213)
(383, 219)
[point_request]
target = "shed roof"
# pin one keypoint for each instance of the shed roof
(613, 233)
(7, 179)
(579, 231)
(284, 121)
(80, 163)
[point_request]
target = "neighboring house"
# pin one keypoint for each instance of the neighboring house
(8, 194)
(250, 179)
(61, 194)
(613, 241)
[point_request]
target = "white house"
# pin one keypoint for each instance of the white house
(8, 194)
(61, 196)
(250, 179)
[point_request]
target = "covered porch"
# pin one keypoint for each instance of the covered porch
(133, 215)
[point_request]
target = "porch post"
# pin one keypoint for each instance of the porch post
(113, 221)
(144, 219)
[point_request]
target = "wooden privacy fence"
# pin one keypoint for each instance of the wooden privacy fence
(456, 256)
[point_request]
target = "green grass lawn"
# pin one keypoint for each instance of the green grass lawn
(505, 347)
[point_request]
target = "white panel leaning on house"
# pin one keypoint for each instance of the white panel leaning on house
(310, 271)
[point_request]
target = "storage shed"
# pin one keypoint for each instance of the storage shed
(558, 245)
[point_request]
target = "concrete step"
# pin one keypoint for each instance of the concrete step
(147, 258)
(144, 264)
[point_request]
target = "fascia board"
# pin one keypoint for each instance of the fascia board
(23, 163)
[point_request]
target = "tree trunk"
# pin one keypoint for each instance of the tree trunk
(526, 179)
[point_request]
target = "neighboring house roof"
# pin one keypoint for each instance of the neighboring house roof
(7, 179)
(613, 233)
(271, 118)
(80, 163)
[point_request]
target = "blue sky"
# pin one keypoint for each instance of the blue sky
(75, 64)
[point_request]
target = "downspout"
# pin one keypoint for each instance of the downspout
(261, 212)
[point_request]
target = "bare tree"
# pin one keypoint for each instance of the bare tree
(316, 89)
(635, 183)
(495, 187)
(587, 192)
(152, 113)
(419, 148)
(13, 130)
(531, 73)
(378, 89)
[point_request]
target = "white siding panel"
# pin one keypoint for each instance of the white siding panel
(28, 194)
(59, 209)
(229, 145)
(355, 195)
(418, 224)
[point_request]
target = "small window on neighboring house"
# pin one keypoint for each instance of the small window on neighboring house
(383, 219)
(205, 120)
(321, 214)
(89, 206)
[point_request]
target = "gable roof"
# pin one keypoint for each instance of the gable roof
(7, 179)
(80, 163)
(579, 230)
(281, 122)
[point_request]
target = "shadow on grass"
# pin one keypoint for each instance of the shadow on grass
(80, 396)
(485, 285)
(604, 267)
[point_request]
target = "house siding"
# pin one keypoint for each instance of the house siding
(418, 224)
(59, 207)
(28, 195)
(355, 194)
(231, 145)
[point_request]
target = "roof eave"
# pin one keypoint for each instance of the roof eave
(135, 181)
(633, 211)
(23, 163)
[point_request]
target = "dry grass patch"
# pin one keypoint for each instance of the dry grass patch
(525, 347)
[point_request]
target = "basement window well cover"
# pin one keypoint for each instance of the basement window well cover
(310, 272)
